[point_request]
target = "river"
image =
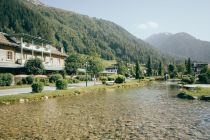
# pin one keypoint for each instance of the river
(151, 112)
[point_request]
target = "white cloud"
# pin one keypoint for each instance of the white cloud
(148, 25)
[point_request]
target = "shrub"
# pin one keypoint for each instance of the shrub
(72, 81)
(30, 80)
(55, 77)
(120, 79)
(34, 66)
(203, 79)
(188, 79)
(6, 79)
(61, 84)
(45, 81)
(103, 79)
(20, 82)
(24, 81)
(37, 87)
(112, 77)
(83, 77)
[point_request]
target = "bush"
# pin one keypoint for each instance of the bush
(6, 79)
(203, 79)
(34, 66)
(120, 79)
(83, 77)
(61, 84)
(30, 80)
(188, 79)
(103, 79)
(20, 82)
(112, 77)
(72, 81)
(45, 81)
(37, 87)
(55, 77)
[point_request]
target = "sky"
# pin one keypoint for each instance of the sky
(143, 18)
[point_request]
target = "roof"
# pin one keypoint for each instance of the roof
(5, 40)
(27, 37)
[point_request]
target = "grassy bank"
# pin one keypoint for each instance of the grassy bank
(33, 97)
(198, 92)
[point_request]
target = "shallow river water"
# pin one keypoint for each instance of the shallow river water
(151, 112)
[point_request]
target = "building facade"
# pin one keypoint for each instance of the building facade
(16, 50)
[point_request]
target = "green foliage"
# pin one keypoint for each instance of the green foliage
(62, 84)
(160, 69)
(72, 63)
(149, 67)
(172, 70)
(34, 66)
(29, 80)
(45, 81)
(55, 77)
(103, 79)
(112, 77)
(189, 66)
(122, 68)
(72, 81)
(138, 74)
(95, 65)
(120, 79)
(37, 87)
(75, 32)
(6, 79)
(204, 78)
(188, 79)
(83, 77)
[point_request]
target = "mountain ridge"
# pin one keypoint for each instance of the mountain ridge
(181, 44)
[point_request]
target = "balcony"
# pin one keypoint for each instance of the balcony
(37, 48)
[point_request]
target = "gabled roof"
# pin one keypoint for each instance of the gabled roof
(5, 40)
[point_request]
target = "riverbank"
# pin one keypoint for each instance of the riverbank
(33, 97)
(196, 93)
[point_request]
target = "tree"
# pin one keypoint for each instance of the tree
(34, 66)
(122, 68)
(160, 69)
(95, 65)
(138, 71)
(72, 63)
(172, 70)
(149, 67)
(189, 66)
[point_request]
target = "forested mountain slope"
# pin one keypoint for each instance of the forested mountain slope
(75, 32)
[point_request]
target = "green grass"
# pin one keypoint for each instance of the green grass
(32, 97)
(198, 92)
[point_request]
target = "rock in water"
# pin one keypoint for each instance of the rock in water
(185, 96)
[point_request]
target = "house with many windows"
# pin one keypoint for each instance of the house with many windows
(15, 50)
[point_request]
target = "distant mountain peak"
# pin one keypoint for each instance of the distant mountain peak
(35, 2)
(184, 35)
(181, 44)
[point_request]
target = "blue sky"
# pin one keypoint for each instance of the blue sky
(145, 17)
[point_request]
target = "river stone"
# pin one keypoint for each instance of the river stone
(21, 101)
(185, 96)
(205, 98)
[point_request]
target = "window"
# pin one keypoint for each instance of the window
(9, 55)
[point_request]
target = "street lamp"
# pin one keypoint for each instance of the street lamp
(86, 65)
